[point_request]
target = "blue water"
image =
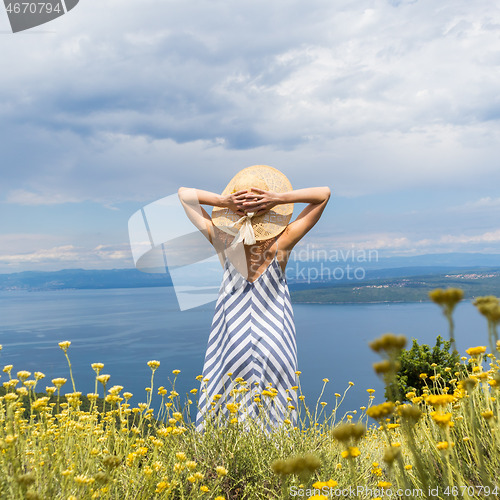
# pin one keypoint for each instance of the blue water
(125, 328)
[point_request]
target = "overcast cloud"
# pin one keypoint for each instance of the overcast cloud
(123, 102)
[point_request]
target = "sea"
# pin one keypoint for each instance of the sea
(125, 328)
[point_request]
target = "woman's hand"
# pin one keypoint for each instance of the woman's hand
(235, 201)
(260, 201)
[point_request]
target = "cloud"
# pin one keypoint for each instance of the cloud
(487, 237)
(23, 197)
(58, 254)
(30, 253)
(482, 204)
(402, 94)
(113, 253)
(408, 244)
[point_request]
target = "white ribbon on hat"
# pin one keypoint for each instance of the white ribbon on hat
(246, 232)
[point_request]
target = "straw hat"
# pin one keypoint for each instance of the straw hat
(267, 225)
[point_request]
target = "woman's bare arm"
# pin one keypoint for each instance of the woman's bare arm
(192, 200)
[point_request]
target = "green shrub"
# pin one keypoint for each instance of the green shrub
(421, 359)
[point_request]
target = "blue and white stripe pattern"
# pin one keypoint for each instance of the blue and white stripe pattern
(252, 338)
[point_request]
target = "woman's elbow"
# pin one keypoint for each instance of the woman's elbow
(326, 193)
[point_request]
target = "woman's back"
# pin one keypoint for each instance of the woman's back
(251, 260)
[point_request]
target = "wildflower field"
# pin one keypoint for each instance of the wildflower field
(440, 440)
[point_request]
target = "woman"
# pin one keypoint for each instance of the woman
(251, 357)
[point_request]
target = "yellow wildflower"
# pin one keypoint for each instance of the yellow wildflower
(351, 452)
(64, 345)
(161, 486)
(388, 342)
(59, 382)
(444, 445)
(232, 407)
(97, 367)
(491, 311)
(381, 410)
(40, 404)
(23, 375)
(442, 419)
(221, 471)
(153, 364)
(476, 351)
(448, 298)
(439, 399)
(383, 366)
(116, 389)
(384, 484)
(391, 453)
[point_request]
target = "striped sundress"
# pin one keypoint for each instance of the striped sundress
(251, 358)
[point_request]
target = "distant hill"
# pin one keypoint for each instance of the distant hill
(82, 279)
(474, 282)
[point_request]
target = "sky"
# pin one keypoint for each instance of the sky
(392, 104)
